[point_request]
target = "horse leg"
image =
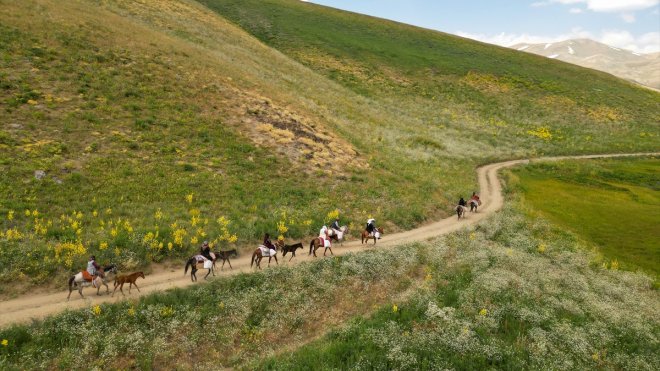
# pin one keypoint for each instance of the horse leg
(207, 273)
(228, 262)
(276, 262)
(130, 286)
(115, 290)
(326, 249)
(293, 253)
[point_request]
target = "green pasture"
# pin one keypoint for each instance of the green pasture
(612, 204)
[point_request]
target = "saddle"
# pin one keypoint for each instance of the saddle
(266, 252)
(86, 276)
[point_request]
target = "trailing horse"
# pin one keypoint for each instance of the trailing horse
(130, 279)
(78, 280)
(366, 236)
(316, 244)
(289, 248)
(224, 256)
(474, 204)
(258, 254)
(192, 263)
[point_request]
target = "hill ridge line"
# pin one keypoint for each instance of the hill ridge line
(34, 306)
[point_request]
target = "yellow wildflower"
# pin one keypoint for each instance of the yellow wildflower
(103, 246)
(541, 248)
(131, 311)
(473, 236)
(159, 214)
(395, 308)
(614, 265)
(10, 215)
(193, 240)
(169, 246)
(483, 312)
(96, 310)
(4, 342)
(27, 212)
(280, 238)
(32, 102)
(95, 213)
(189, 198)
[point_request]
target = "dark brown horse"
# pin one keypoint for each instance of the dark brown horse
(257, 255)
(289, 248)
(316, 244)
(366, 236)
(224, 256)
(130, 279)
(474, 204)
(460, 211)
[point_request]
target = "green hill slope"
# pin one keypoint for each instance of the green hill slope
(504, 100)
(131, 107)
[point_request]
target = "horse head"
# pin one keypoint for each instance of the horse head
(112, 268)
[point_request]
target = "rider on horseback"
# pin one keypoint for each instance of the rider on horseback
(324, 235)
(475, 197)
(269, 245)
(205, 250)
(93, 268)
(371, 226)
(462, 202)
(335, 225)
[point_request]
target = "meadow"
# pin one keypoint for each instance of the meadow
(514, 292)
(614, 205)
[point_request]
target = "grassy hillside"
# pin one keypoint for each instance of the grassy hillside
(455, 91)
(613, 204)
(157, 122)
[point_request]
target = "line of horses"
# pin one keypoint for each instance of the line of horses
(197, 262)
(462, 210)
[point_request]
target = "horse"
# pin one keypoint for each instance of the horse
(460, 211)
(224, 256)
(474, 204)
(192, 263)
(289, 248)
(130, 278)
(257, 255)
(77, 280)
(366, 236)
(315, 244)
(343, 230)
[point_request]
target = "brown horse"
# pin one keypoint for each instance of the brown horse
(289, 248)
(257, 255)
(366, 236)
(130, 279)
(460, 211)
(316, 244)
(224, 256)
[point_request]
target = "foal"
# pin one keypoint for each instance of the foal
(130, 279)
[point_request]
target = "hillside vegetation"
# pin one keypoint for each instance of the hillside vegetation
(159, 124)
(513, 293)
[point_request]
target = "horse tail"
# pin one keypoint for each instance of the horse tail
(71, 279)
(188, 264)
(311, 246)
(254, 256)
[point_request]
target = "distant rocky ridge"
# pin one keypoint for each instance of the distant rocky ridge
(643, 69)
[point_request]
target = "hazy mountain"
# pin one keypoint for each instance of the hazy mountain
(640, 68)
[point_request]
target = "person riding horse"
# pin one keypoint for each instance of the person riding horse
(462, 202)
(324, 234)
(335, 225)
(269, 244)
(475, 198)
(371, 226)
(93, 269)
(205, 251)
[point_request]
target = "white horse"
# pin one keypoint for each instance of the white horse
(338, 236)
(78, 281)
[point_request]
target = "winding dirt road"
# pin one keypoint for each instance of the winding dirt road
(30, 306)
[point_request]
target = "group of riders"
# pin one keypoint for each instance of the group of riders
(93, 269)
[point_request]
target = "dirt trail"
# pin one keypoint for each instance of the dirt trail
(31, 306)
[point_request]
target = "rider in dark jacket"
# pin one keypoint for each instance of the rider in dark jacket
(462, 202)
(205, 250)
